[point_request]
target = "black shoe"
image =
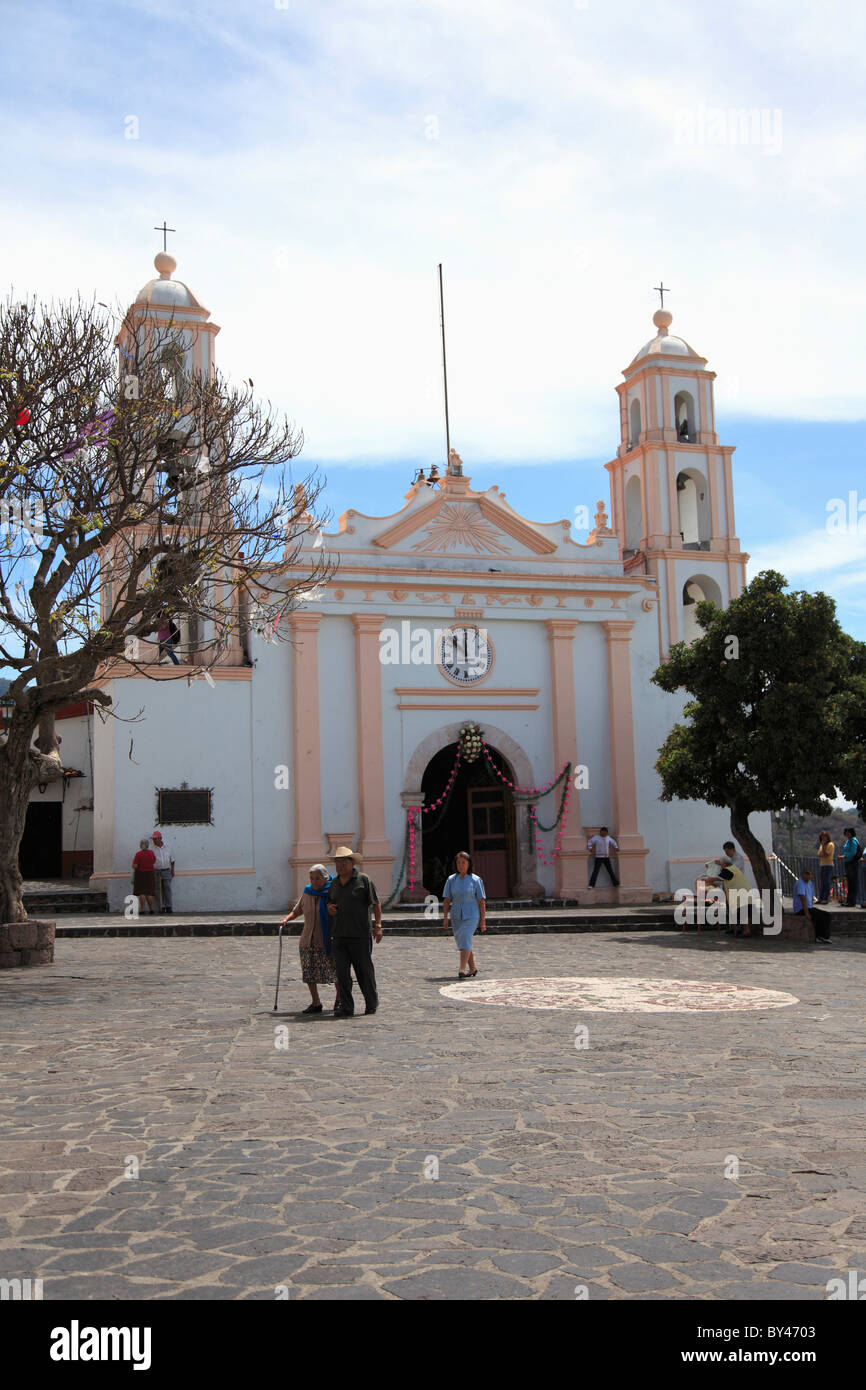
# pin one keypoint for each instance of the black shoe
(343, 1013)
(371, 1011)
(312, 1009)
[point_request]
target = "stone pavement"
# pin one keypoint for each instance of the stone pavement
(307, 1170)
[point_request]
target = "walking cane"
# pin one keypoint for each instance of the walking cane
(279, 965)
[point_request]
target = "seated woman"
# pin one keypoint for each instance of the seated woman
(317, 961)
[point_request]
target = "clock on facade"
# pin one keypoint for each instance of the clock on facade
(465, 655)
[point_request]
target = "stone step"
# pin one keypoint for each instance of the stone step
(575, 920)
(64, 904)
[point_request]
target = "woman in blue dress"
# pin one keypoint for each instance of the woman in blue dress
(465, 907)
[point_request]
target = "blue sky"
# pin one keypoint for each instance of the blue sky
(318, 160)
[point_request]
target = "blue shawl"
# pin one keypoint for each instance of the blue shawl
(324, 918)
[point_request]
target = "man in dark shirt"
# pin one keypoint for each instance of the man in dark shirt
(350, 898)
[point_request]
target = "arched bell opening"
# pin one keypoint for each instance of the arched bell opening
(685, 418)
(633, 515)
(693, 509)
(696, 589)
(634, 424)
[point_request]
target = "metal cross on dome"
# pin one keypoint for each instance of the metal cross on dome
(662, 290)
(164, 229)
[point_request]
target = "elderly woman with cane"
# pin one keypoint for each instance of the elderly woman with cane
(317, 960)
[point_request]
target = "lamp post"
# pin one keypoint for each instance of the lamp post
(790, 816)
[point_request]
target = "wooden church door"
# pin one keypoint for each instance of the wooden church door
(488, 839)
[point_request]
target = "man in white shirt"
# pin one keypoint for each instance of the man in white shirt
(731, 856)
(600, 846)
(164, 869)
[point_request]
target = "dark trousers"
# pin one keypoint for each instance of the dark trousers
(355, 952)
(607, 864)
(826, 874)
(852, 874)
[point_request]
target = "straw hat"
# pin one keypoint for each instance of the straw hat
(343, 852)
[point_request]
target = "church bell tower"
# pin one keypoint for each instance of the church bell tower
(672, 497)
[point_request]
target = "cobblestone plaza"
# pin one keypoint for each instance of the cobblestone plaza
(169, 1136)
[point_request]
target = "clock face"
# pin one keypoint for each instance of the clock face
(465, 655)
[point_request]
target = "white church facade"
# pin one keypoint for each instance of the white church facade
(453, 612)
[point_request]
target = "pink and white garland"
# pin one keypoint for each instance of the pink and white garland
(412, 811)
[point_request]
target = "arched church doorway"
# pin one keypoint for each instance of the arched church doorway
(478, 816)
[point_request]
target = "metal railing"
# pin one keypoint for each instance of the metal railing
(786, 873)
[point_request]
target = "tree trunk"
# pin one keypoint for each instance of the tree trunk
(752, 846)
(20, 769)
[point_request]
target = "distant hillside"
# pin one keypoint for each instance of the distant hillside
(806, 835)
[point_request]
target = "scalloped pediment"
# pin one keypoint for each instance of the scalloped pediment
(464, 525)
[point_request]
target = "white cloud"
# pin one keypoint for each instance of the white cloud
(312, 208)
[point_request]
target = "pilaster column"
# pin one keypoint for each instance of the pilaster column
(570, 867)
(632, 851)
(306, 761)
(373, 843)
(675, 539)
(408, 800)
(528, 884)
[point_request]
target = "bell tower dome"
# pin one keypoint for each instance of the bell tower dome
(671, 483)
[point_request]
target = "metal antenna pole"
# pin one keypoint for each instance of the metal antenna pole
(444, 372)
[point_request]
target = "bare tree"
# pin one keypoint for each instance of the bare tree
(130, 491)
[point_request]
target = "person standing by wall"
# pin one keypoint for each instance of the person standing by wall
(142, 874)
(164, 870)
(600, 846)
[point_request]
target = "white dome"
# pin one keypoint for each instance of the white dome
(173, 293)
(676, 347)
(664, 344)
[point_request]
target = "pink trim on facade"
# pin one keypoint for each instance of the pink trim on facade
(673, 602)
(373, 843)
(570, 867)
(623, 778)
(716, 533)
(306, 766)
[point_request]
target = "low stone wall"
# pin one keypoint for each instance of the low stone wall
(26, 943)
(796, 928)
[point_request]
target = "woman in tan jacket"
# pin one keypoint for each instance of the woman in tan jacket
(317, 961)
(826, 854)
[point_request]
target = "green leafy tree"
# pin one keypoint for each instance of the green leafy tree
(774, 685)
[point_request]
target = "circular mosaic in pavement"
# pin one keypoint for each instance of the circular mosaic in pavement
(595, 994)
